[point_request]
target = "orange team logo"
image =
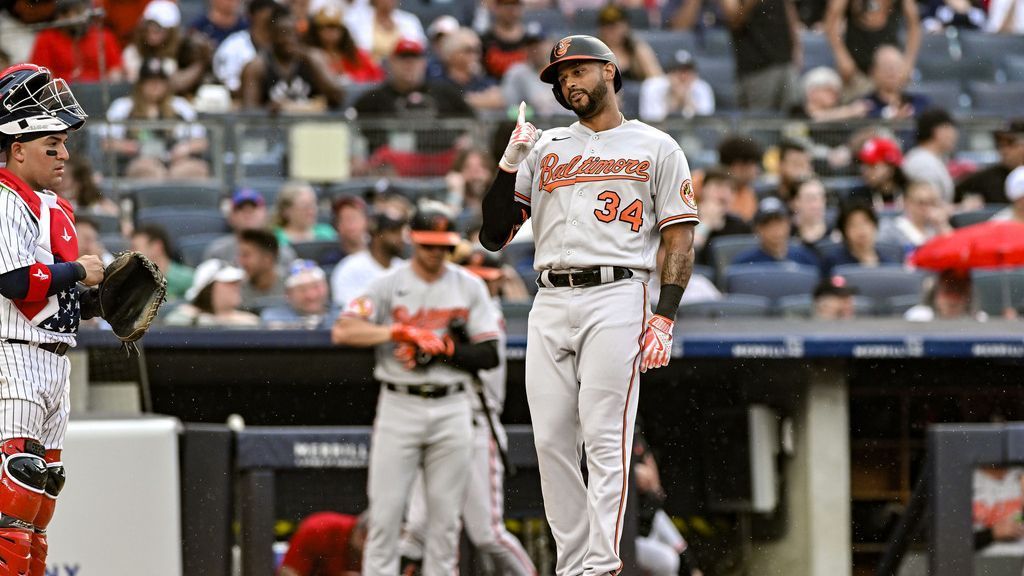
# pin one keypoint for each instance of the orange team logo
(592, 169)
(686, 191)
(429, 318)
(562, 47)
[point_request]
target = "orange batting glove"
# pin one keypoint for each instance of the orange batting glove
(421, 338)
(657, 346)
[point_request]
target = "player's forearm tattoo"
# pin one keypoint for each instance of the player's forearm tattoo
(677, 268)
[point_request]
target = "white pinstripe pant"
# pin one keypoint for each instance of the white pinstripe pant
(35, 396)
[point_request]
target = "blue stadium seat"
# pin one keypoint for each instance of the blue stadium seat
(182, 194)
(802, 306)
(550, 18)
(979, 46)
(817, 51)
(720, 73)
(630, 95)
(191, 248)
(898, 305)
(182, 222)
(715, 42)
(882, 282)
(725, 248)
(996, 98)
(705, 271)
(1013, 67)
(417, 188)
(943, 93)
(963, 70)
(730, 306)
(772, 281)
(666, 43)
(269, 188)
(996, 290)
(114, 243)
(105, 223)
(891, 252)
(90, 96)
(315, 250)
(962, 219)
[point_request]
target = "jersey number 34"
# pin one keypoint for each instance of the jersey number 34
(632, 214)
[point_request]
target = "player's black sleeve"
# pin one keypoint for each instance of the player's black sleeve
(502, 214)
(14, 284)
(474, 357)
(89, 302)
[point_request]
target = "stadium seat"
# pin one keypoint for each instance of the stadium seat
(105, 223)
(996, 98)
(1013, 67)
(802, 306)
(114, 243)
(963, 70)
(996, 290)
(705, 271)
(891, 252)
(182, 222)
(666, 43)
(979, 46)
(315, 250)
(817, 51)
(269, 188)
(183, 194)
(630, 95)
(417, 188)
(191, 248)
(720, 73)
(882, 282)
(191, 10)
(942, 93)
(962, 219)
(730, 306)
(898, 305)
(772, 281)
(516, 316)
(715, 42)
(90, 96)
(549, 18)
(587, 18)
(354, 187)
(353, 92)
(725, 248)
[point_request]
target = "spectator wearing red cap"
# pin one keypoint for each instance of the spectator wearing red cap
(408, 94)
(326, 544)
(925, 215)
(378, 27)
(883, 180)
(833, 299)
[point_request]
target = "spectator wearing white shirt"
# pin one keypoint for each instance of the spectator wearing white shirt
(387, 243)
(925, 215)
(679, 92)
(156, 151)
(937, 136)
(1005, 17)
(522, 83)
(241, 47)
(378, 26)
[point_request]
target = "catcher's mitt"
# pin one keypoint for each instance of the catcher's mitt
(130, 295)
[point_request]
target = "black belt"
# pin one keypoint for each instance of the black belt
(582, 278)
(58, 348)
(426, 390)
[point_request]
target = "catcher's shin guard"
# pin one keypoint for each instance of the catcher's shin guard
(22, 484)
(54, 484)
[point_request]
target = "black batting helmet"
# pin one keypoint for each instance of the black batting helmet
(433, 226)
(578, 47)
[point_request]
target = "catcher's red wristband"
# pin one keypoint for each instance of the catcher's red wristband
(39, 279)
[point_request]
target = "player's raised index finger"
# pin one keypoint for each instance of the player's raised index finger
(522, 112)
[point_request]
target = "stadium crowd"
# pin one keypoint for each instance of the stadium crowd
(832, 224)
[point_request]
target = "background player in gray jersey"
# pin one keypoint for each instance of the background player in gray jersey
(40, 307)
(424, 418)
(483, 512)
(602, 194)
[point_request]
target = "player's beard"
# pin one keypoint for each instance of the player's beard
(594, 104)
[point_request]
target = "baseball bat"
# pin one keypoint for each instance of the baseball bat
(506, 461)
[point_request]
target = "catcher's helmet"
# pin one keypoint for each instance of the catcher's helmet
(433, 226)
(33, 101)
(578, 47)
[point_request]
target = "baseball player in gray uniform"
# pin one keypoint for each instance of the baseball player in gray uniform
(483, 513)
(601, 194)
(424, 417)
(40, 307)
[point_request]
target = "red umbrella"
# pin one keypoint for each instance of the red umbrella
(993, 244)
